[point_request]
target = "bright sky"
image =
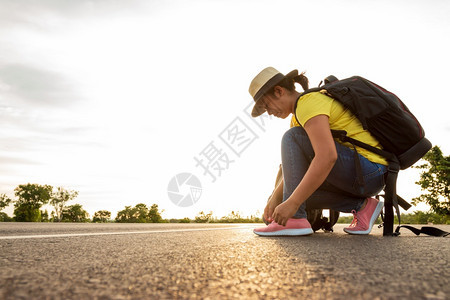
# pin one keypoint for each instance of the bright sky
(114, 98)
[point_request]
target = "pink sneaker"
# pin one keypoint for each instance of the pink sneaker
(364, 219)
(293, 227)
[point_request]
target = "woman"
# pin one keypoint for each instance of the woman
(318, 172)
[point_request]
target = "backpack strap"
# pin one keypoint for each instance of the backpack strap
(334, 216)
(433, 231)
(342, 135)
(390, 199)
(316, 89)
(390, 196)
(401, 202)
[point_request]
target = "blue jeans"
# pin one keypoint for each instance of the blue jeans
(340, 191)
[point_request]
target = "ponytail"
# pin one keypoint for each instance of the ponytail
(288, 83)
(302, 80)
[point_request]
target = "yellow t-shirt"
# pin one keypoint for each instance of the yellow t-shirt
(294, 122)
(340, 118)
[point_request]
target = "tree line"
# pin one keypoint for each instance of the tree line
(434, 179)
(31, 197)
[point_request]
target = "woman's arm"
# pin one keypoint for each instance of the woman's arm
(275, 199)
(325, 156)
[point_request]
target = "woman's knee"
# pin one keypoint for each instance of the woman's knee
(294, 134)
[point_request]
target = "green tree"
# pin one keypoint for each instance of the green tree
(74, 213)
(137, 214)
(26, 213)
(101, 216)
(141, 213)
(59, 199)
(4, 217)
(4, 201)
(436, 181)
(44, 216)
(124, 215)
(30, 198)
(203, 218)
(233, 217)
(154, 215)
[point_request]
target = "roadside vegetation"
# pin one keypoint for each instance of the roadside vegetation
(29, 199)
(417, 217)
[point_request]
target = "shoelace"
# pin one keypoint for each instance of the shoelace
(355, 219)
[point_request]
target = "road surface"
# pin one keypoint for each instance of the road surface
(216, 261)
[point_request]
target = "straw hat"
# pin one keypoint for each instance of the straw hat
(262, 83)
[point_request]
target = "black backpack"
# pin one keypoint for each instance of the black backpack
(388, 119)
(318, 221)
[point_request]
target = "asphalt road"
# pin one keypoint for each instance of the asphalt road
(216, 261)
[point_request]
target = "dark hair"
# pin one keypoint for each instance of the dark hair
(302, 80)
(288, 83)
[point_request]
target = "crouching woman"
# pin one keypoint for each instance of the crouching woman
(318, 172)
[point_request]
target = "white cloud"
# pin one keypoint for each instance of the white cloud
(37, 87)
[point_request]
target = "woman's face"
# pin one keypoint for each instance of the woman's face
(277, 104)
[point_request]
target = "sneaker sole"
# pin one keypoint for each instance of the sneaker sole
(287, 232)
(372, 220)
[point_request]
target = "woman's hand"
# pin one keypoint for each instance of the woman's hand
(270, 207)
(284, 212)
